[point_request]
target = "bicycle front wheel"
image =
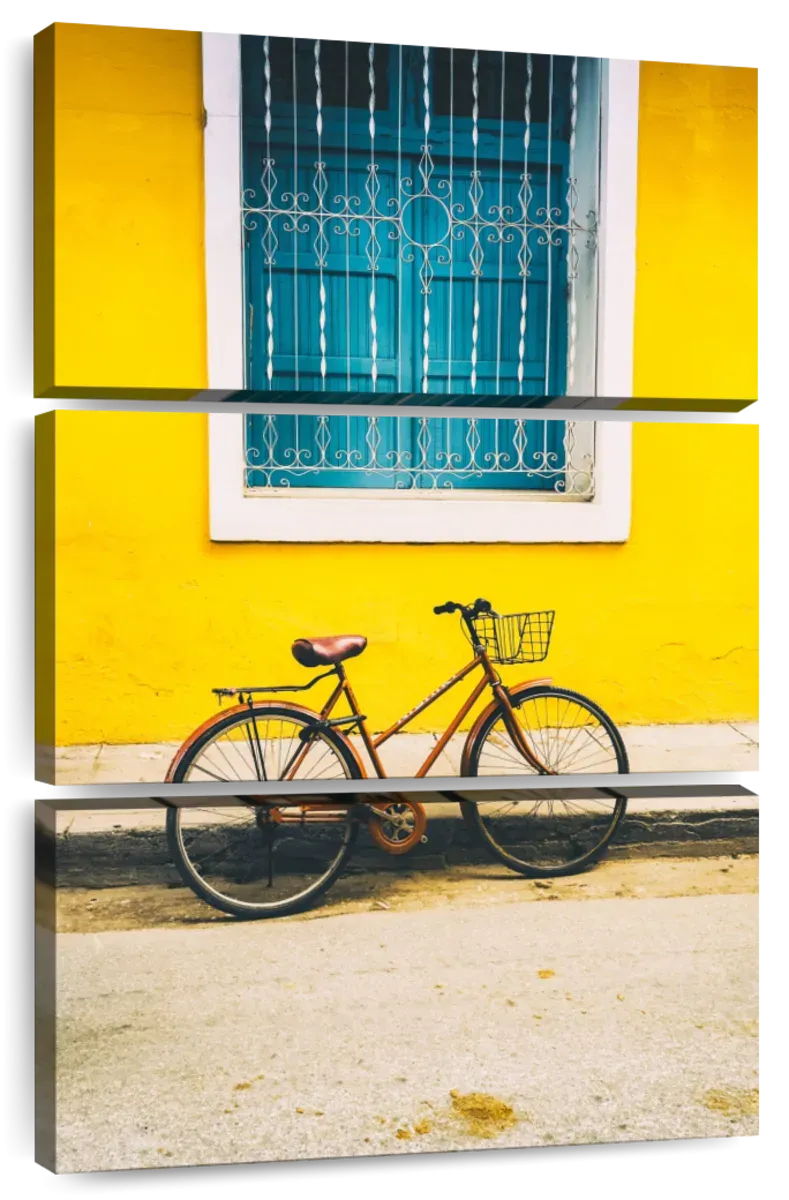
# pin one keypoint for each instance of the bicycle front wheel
(254, 859)
(545, 834)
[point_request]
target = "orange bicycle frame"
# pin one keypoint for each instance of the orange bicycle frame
(489, 678)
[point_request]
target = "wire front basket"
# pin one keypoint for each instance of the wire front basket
(515, 638)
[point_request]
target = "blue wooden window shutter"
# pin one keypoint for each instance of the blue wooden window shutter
(451, 306)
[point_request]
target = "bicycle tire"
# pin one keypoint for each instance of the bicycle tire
(473, 816)
(188, 871)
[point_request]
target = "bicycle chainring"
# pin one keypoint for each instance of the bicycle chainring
(397, 825)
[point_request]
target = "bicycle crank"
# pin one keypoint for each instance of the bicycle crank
(397, 825)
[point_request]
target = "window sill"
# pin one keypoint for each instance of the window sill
(313, 515)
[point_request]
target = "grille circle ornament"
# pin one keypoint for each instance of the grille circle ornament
(416, 213)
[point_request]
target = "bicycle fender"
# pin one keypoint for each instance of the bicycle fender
(494, 704)
(239, 708)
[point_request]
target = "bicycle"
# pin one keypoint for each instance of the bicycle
(530, 727)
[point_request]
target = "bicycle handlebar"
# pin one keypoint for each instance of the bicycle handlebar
(468, 610)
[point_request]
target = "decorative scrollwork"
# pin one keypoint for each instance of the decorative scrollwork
(414, 453)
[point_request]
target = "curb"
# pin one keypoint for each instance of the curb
(118, 858)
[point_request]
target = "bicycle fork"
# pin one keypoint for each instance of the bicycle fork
(516, 733)
(514, 729)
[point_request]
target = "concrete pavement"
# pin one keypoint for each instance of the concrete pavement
(395, 1031)
(718, 746)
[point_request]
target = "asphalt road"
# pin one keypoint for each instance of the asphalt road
(375, 1031)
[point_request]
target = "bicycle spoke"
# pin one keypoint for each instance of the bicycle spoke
(267, 748)
(221, 751)
(257, 759)
(564, 734)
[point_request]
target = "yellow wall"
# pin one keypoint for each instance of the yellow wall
(695, 323)
(126, 240)
(151, 615)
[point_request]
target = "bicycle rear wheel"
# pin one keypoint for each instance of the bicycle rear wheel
(252, 859)
(546, 834)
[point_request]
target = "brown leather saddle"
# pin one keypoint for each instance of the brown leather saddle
(325, 651)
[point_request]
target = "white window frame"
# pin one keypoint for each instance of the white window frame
(299, 515)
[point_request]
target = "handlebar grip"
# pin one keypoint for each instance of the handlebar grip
(449, 607)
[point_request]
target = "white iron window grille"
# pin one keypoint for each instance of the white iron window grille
(419, 220)
(437, 454)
